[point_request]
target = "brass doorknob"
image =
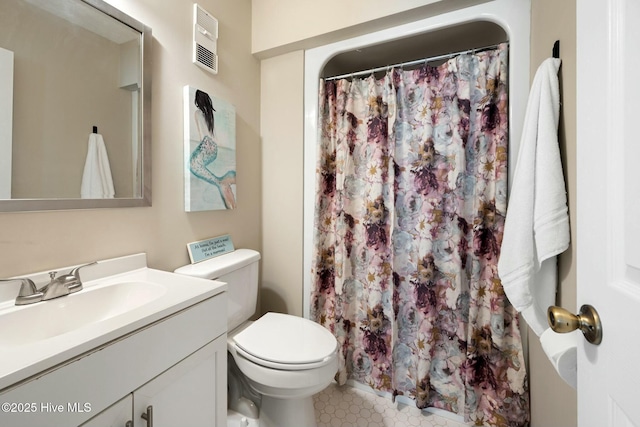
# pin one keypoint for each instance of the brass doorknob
(587, 320)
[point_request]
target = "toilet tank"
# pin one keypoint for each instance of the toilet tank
(239, 270)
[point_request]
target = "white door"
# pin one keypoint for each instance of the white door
(608, 212)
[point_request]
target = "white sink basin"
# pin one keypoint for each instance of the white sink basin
(120, 296)
(47, 319)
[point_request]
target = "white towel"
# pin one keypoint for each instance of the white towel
(97, 182)
(562, 351)
(537, 223)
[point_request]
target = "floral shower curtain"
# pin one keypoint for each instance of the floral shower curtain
(411, 200)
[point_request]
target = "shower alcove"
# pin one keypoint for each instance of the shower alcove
(470, 28)
(419, 47)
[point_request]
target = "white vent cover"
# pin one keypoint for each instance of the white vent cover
(205, 39)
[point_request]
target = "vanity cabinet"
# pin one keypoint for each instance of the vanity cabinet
(116, 415)
(177, 366)
(182, 395)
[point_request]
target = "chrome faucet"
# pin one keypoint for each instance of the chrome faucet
(57, 287)
(63, 285)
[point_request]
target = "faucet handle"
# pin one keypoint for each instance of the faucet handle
(27, 287)
(73, 277)
(28, 291)
(76, 271)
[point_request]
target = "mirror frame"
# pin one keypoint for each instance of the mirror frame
(25, 205)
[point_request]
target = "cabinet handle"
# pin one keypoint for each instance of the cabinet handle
(148, 416)
(129, 424)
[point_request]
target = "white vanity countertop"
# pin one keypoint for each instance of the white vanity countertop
(37, 337)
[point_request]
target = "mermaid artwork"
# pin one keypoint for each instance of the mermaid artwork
(207, 151)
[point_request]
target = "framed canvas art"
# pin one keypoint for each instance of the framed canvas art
(209, 152)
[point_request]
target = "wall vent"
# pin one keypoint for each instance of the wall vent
(205, 39)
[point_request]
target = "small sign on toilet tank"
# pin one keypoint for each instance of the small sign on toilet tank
(209, 248)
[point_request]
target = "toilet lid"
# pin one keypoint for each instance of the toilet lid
(286, 339)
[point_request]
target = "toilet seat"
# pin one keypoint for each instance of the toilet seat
(286, 342)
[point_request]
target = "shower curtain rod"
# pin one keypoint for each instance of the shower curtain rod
(414, 62)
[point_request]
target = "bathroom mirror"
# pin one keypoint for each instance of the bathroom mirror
(69, 69)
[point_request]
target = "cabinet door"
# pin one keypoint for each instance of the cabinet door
(191, 393)
(116, 415)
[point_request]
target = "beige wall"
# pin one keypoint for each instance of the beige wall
(45, 240)
(553, 402)
(281, 127)
(280, 26)
(328, 16)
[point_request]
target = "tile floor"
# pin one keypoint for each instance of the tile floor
(349, 407)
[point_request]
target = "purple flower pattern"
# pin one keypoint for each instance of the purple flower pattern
(411, 200)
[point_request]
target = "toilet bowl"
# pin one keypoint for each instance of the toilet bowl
(285, 359)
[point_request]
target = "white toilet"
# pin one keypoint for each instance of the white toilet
(285, 359)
